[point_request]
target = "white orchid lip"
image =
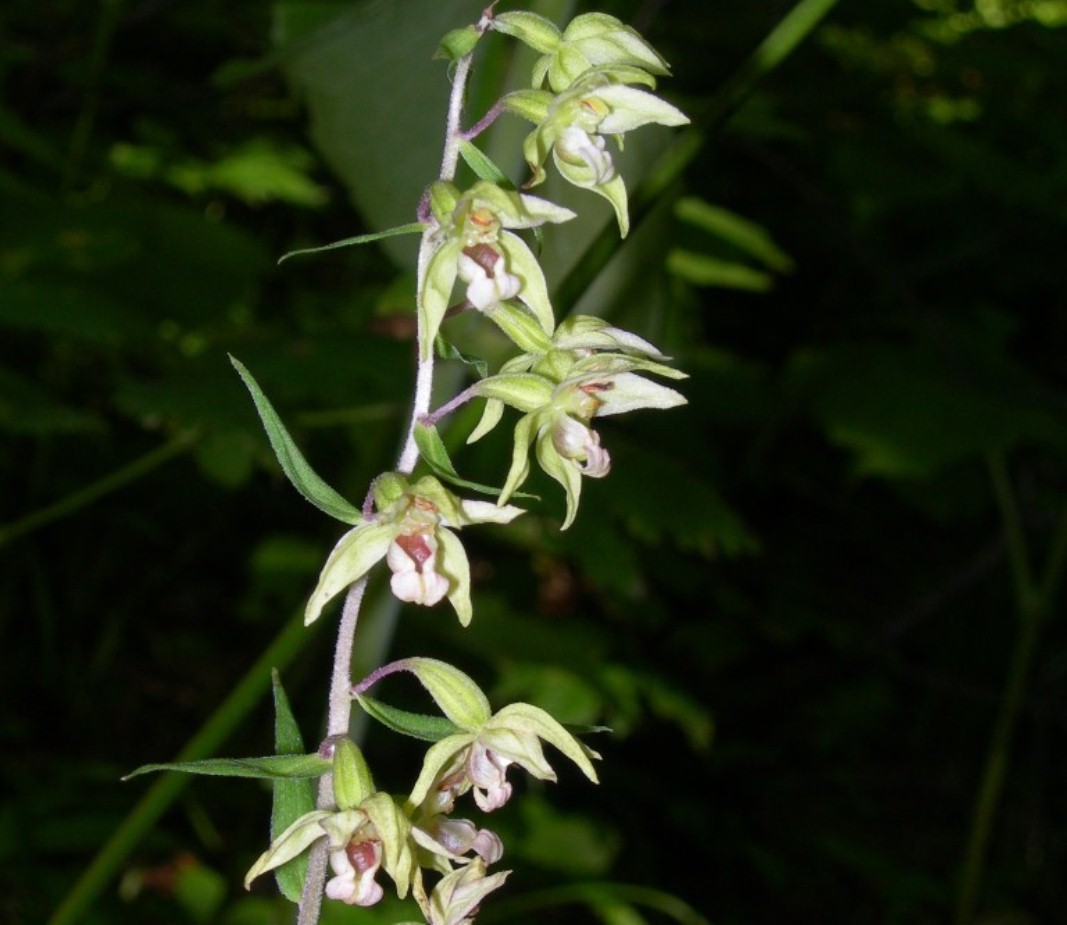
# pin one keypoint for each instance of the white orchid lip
(484, 269)
(577, 146)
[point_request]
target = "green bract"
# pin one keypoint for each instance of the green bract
(411, 533)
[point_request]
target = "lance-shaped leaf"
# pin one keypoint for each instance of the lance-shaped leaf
(483, 166)
(305, 480)
(410, 228)
(271, 767)
(416, 725)
(291, 798)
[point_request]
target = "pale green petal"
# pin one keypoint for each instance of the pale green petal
(520, 457)
(539, 211)
(528, 718)
(394, 830)
(631, 108)
(485, 512)
(524, 391)
(614, 191)
(630, 393)
(534, 292)
(452, 563)
(587, 332)
(437, 759)
(350, 560)
(295, 839)
(494, 411)
(520, 747)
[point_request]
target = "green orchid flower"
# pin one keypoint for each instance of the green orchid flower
(571, 127)
(457, 896)
(366, 832)
(474, 242)
(560, 392)
(413, 533)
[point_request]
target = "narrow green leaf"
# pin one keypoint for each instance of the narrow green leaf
(483, 167)
(433, 453)
(305, 480)
(272, 767)
(292, 797)
(409, 228)
(416, 725)
(448, 351)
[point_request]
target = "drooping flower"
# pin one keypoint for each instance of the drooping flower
(571, 127)
(477, 758)
(413, 532)
(457, 896)
(560, 392)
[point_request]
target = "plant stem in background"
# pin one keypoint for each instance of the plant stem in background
(1033, 602)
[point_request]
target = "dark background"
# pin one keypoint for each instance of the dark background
(801, 602)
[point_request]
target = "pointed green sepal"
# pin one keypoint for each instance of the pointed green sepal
(460, 699)
(541, 34)
(534, 292)
(524, 717)
(394, 830)
(349, 561)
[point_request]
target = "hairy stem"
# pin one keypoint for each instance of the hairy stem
(340, 703)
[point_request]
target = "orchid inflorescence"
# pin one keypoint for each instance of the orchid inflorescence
(594, 79)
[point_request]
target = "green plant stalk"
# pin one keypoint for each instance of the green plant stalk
(109, 483)
(1033, 603)
(231, 712)
(996, 767)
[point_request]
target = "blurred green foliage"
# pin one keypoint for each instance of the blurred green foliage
(794, 600)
